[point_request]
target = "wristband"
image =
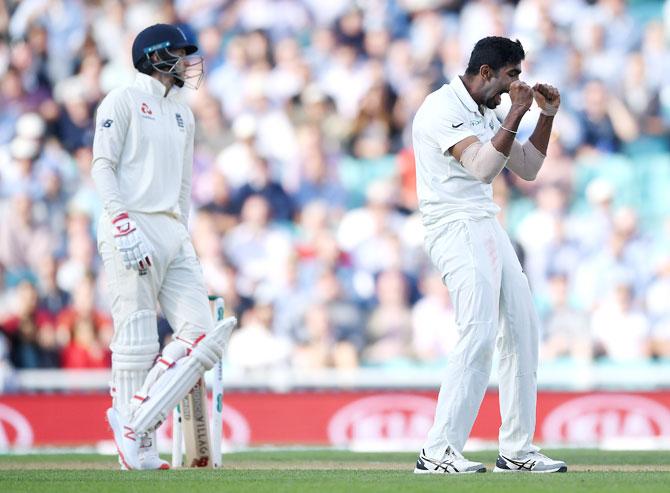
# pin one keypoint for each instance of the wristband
(549, 110)
(510, 131)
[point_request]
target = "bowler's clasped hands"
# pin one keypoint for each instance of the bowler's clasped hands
(547, 97)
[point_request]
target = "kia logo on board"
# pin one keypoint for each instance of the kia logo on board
(592, 418)
(393, 418)
(15, 430)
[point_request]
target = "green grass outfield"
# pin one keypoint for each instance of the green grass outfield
(322, 471)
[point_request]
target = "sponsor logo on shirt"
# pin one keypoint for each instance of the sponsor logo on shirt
(146, 112)
(180, 120)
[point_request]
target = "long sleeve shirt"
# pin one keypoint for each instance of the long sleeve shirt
(143, 150)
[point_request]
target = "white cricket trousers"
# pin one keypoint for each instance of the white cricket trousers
(175, 279)
(493, 305)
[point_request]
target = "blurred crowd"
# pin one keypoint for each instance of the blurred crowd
(305, 211)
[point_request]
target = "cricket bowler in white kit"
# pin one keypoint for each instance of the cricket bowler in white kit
(460, 147)
(142, 165)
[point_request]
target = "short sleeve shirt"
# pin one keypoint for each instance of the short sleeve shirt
(446, 190)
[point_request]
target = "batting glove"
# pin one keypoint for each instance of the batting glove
(131, 242)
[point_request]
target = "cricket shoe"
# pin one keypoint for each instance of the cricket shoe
(451, 463)
(148, 455)
(135, 452)
(126, 440)
(531, 462)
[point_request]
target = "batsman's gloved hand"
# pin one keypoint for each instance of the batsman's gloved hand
(131, 242)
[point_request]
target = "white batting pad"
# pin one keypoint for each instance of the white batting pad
(172, 352)
(134, 348)
(135, 344)
(180, 378)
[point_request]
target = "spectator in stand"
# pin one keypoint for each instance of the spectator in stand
(258, 249)
(52, 207)
(374, 124)
(596, 274)
(235, 162)
(345, 316)
(6, 369)
(642, 98)
(312, 223)
(221, 208)
(566, 329)
(620, 330)
(658, 308)
(225, 81)
(313, 107)
(74, 126)
(275, 136)
(31, 332)
(253, 346)
(389, 328)
(636, 248)
(7, 297)
(80, 255)
(538, 230)
(605, 123)
(374, 223)
(89, 330)
(206, 242)
(317, 180)
(262, 184)
(19, 172)
(434, 329)
(594, 226)
(319, 347)
(22, 240)
(51, 296)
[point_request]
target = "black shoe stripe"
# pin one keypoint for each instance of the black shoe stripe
(521, 465)
(421, 465)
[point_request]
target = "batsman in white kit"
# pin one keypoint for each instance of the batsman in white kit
(460, 147)
(142, 165)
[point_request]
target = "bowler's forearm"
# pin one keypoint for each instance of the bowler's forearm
(540, 136)
(503, 140)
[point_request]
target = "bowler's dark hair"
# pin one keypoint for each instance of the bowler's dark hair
(496, 52)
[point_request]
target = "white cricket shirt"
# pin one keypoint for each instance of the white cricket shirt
(446, 190)
(147, 140)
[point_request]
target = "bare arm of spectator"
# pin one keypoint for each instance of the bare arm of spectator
(625, 126)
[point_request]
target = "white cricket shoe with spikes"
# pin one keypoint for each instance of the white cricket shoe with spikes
(451, 462)
(135, 452)
(531, 462)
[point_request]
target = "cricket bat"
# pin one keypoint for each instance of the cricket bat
(195, 427)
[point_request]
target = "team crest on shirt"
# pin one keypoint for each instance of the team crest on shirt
(180, 120)
(491, 124)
